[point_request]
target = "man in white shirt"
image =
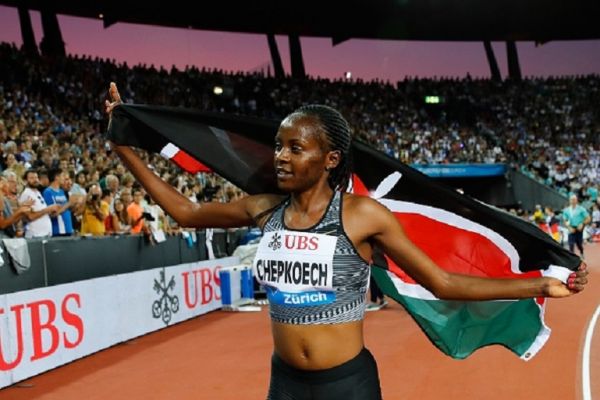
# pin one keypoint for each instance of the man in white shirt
(39, 223)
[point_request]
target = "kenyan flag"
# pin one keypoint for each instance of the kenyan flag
(459, 233)
(468, 237)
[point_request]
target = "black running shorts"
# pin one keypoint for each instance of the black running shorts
(356, 379)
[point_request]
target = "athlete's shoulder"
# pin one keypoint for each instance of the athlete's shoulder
(365, 215)
(265, 201)
(260, 206)
(361, 204)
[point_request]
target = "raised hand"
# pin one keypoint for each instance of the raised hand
(115, 99)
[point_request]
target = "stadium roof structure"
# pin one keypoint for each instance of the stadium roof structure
(453, 20)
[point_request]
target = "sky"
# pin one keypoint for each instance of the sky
(366, 59)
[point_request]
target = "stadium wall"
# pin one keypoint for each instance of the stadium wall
(530, 192)
(63, 260)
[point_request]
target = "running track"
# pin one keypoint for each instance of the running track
(226, 356)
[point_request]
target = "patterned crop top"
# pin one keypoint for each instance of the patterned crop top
(314, 275)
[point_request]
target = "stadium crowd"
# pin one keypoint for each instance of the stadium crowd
(60, 178)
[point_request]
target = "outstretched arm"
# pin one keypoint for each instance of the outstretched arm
(187, 214)
(388, 233)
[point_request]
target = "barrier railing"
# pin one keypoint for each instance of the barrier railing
(62, 260)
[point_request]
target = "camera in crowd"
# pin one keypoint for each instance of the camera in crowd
(147, 216)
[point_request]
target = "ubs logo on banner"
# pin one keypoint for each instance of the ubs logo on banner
(168, 304)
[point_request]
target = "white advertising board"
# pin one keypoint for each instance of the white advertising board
(43, 328)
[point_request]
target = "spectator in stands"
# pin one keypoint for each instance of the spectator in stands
(135, 211)
(13, 165)
(39, 224)
(77, 201)
(119, 219)
(188, 192)
(107, 198)
(126, 197)
(79, 184)
(11, 196)
(26, 153)
(62, 224)
(128, 181)
(9, 217)
(592, 193)
(553, 223)
(112, 185)
(44, 159)
(159, 221)
(575, 218)
(44, 179)
(94, 213)
(9, 149)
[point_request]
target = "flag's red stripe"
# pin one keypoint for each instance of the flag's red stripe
(189, 163)
(456, 250)
(453, 249)
(358, 187)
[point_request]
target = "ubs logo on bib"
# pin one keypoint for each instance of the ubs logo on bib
(275, 243)
(301, 242)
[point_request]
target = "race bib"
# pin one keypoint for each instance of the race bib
(296, 268)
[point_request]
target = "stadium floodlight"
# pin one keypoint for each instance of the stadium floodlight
(218, 90)
(432, 99)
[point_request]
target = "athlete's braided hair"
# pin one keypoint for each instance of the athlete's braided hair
(337, 133)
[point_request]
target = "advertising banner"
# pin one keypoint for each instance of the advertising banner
(43, 328)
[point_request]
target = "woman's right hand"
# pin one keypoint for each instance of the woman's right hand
(115, 99)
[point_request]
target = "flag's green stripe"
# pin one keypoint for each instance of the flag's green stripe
(459, 328)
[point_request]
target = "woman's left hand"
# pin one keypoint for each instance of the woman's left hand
(575, 284)
(115, 99)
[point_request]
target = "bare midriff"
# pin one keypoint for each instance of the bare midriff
(316, 347)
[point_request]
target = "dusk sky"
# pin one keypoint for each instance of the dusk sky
(367, 59)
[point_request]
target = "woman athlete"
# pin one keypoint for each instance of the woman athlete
(314, 257)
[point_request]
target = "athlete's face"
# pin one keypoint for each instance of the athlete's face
(301, 154)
